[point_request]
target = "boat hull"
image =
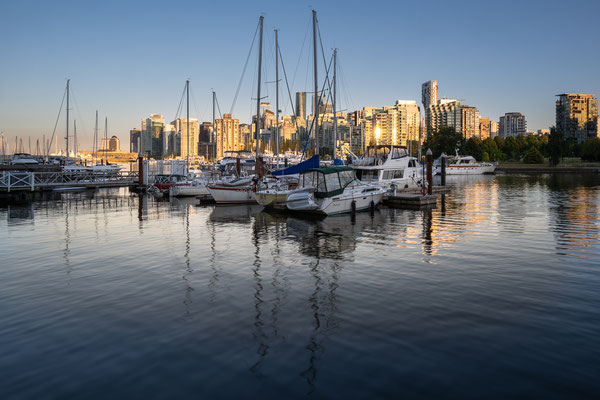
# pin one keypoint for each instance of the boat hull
(232, 194)
(306, 202)
(469, 170)
(183, 191)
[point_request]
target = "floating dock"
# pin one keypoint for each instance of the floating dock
(410, 200)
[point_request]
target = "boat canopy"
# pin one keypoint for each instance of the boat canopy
(312, 162)
(329, 181)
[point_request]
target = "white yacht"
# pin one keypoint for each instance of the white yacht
(466, 165)
(333, 190)
(23, 159)
(388, 166)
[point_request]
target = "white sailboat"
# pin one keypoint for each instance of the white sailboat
(243, 189)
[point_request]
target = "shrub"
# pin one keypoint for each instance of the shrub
(533, 156)
(590, 150)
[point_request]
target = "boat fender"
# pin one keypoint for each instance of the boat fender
(353, 206)
(372, 205)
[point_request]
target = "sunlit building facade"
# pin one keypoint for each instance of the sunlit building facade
(577, 116)
(512, 124)
(445, 113)
(227, 134)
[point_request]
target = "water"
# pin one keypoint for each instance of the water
(494, 294)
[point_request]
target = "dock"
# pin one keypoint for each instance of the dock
(16, 184)
(411, 200)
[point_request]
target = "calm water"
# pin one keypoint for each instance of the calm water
(495, 294)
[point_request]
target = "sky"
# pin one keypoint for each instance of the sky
(128, 59)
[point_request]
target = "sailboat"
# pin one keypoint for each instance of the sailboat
(275, 189)
(243, 189)
(330, 190)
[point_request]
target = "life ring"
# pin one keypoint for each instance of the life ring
(423, 190)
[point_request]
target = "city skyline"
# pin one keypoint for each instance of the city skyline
(127, 70)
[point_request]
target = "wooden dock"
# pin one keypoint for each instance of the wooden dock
(410, 200)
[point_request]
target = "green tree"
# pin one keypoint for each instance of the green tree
(499, 142)
(446, 140)
(473, 147)
(490, 147)
(533, 156)
(590, 151)
(521, 143)
(555, 146)
(511, 148)
(486, 157)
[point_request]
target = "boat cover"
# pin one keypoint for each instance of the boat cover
(312, 162)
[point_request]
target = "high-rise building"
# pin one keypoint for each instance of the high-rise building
(484, 128)
(444, 114)
(394, 125)
(301, 105)
(172, 141)
(493, 129)
(152, 135)
(135, 140)
(577, 116)
(189, 142)
(227, 132)
(512, 124)
(429, 94)
(470, 121)
(110, 144)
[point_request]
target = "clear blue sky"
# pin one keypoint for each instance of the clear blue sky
(131, 58)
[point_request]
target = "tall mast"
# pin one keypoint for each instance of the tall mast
(277, 95)
(75, 137)
(316, 96)
(96, 139)
(214, 138)
(258, 88)
(105, 140)
(335, 132)
(187, 89)
(68, 80)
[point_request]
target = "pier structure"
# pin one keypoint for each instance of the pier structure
(19, 181)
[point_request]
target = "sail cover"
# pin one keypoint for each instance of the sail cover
(296, 169)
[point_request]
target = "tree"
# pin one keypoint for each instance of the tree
(521, 143)
(533, 156)
(511, 148)
(473, 147)
(499, 142)
(445, 140)
(590, 151)
(490, 147)
(555, 146)
(486, 157)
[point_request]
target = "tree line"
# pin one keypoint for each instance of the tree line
(530, 149)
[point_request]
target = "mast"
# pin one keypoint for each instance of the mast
(68, 80)
(258, 88)
(105, 140)
(214, 142)
(277, 96)
(335, 130)
(316, 96)
(75, 137)
(96, 140)
(187, 89)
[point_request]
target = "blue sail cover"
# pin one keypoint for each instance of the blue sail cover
(296, 169)
(337, 161)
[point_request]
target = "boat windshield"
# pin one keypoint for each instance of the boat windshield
(346, 177)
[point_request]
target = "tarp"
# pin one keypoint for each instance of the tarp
(296, 169)
(337, 161)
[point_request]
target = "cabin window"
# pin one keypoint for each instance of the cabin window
(333, 182)
(369, 175)
(399, 152)
(411, 164)
(393, 174)
(346, 177)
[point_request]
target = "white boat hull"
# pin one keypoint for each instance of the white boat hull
(182, 191)
(341, 204)
(469, 170)
(232, 194)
